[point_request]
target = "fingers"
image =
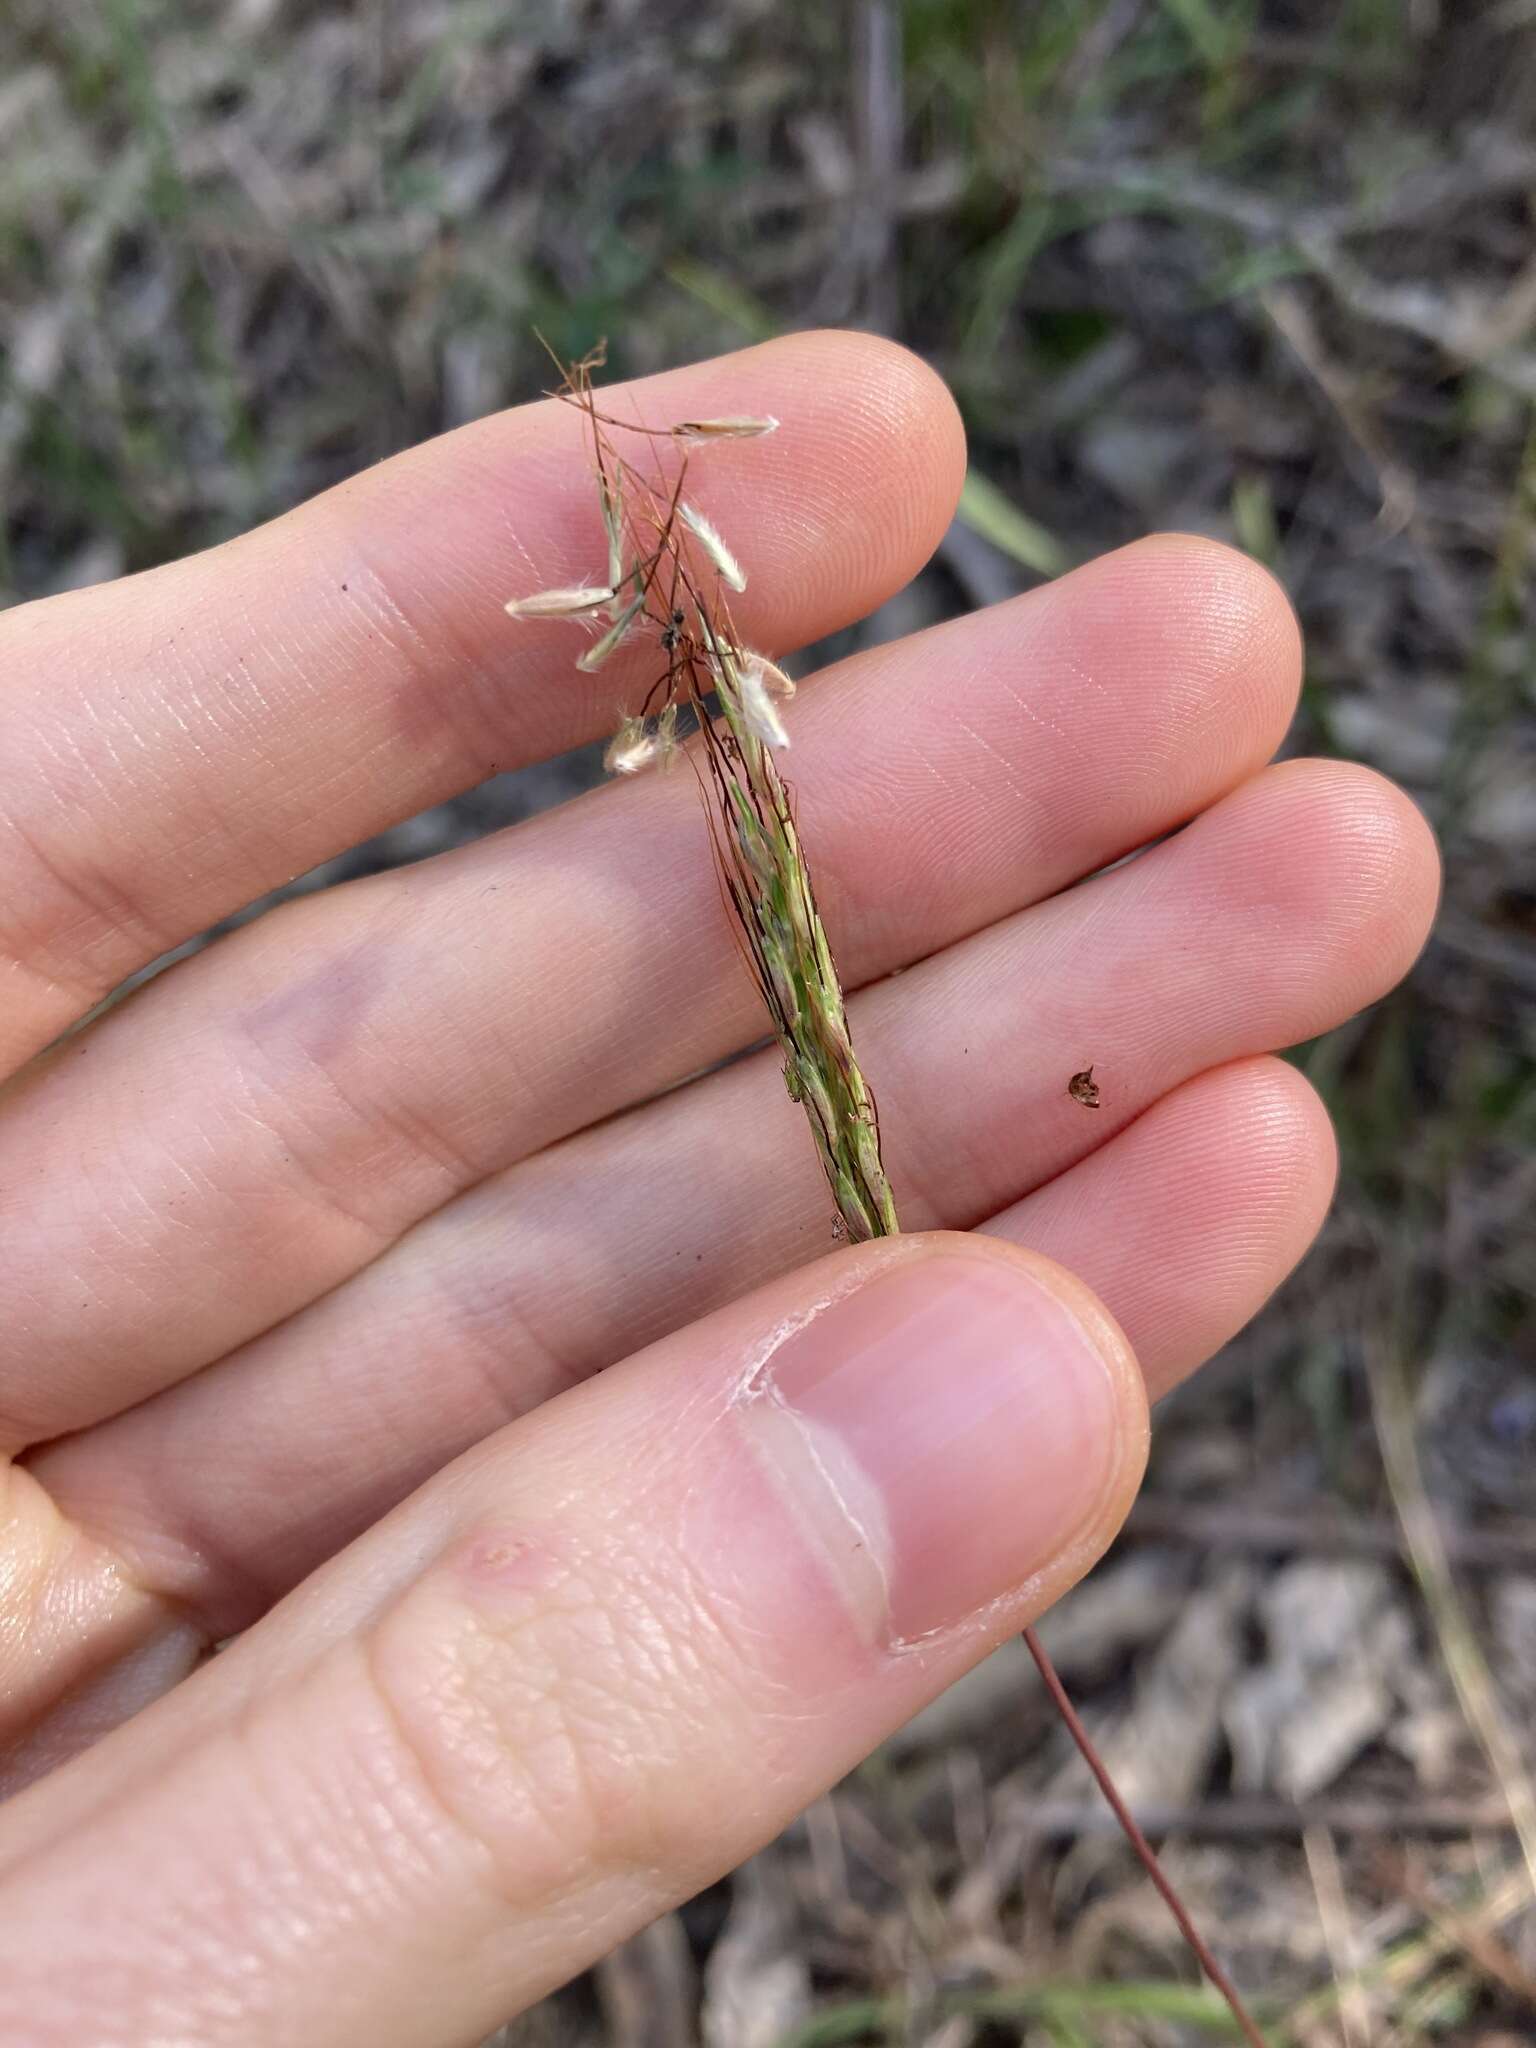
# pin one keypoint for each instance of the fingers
(266, 1120)
(226, 1492)
(587, 1673)
(1210, 948)
(176, 744)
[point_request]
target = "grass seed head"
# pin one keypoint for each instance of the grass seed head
(729, 569)
(656, 588)
(568, 603)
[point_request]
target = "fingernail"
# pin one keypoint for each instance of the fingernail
(940, 1434)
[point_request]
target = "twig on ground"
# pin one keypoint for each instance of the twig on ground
(1392, 1407)
(1219, 1530)
(1247, 2026)
(1472, 1934)
(1408, 1962)
(1338, 1935)
(1243, 1820)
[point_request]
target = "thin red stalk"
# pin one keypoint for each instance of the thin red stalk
(1146, 1854)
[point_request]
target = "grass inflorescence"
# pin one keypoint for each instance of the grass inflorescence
(666, 580)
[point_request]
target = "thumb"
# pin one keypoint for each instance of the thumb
(589, 1669)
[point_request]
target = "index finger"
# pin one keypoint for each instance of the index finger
(176, 744)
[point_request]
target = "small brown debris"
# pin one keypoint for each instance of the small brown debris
(1084, 1089)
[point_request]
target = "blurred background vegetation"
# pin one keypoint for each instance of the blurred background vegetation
(1259, 268)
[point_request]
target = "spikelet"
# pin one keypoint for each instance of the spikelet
(666, 737)
(613, 526)
(735, 427)
(638, 745)
(631, 748)
(757, 707)
(730, 570)
(774, 678)
(600, 650)
(559, 604)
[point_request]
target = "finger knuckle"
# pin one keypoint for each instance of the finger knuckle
(557, 1699)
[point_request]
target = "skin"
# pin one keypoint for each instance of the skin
(315, 1245)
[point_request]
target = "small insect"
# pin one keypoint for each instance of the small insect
(672, 632)
(1084, 1089)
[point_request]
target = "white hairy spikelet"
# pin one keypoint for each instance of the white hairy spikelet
(733, 427)
(725, 562)
(559, 604)
(757, 706)
(636, 745)
(780, 684)
(631, 748)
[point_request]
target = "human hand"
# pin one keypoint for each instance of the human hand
(308, 1243)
